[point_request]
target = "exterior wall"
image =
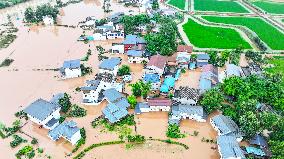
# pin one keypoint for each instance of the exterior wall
(136, 59)
(160, 108)
(186, 101)
(155, 86)
(55, 115)
(118, 49)
(215, 127)
(127, 47)
(113, 72)
(192, 117)
(98, 36)
(111, 35)
(153, 69)
(72, 73)
(145, 110)
(75, 138)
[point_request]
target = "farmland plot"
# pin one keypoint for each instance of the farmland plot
(270, 7)
(219, 6)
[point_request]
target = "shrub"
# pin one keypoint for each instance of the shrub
(77, 111)
(6, 62)
(40, 150)
(65, 103)
(34, 141)
(123, 70)
(174, 131)
(17, 141)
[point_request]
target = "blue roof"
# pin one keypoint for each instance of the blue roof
(55, 99)
(41, 109)
(164, 88)
(134, 53)
(152, 78)
(133, 39)
(169, 81)
(203, 57)
(66, 129)
(204, 84)
(112, 95)
(71, 64)
(109, 64)
(255, 151)
(140, 105)
(177, 74)
(114, 113)
(123, 102)
(233, 70)
(192, 65)
(90, 38)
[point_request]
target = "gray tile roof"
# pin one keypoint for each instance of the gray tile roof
(233, 70)
(41, 109)
(135, 53)
(229, 147)
(187, 92)
(114, 113)
(55, 99)
(71, 64)
(226, 125)
(66, 129)
(133, 39)
(109, 64)
(112, 95)
(258, 140)
(187, 109)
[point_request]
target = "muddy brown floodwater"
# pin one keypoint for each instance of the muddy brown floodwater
(41, 48)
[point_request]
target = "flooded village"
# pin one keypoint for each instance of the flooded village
(77, 62)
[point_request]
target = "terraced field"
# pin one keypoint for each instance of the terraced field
(266, 32)
(219, 6)
(177, 3)
(270, 7)
(213, 37)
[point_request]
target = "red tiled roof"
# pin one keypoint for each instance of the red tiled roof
(158, 61)
(207, 68)
(184, 48)
(159, 102)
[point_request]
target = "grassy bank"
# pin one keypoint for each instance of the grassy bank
(270, 7)
(266, 32)
(219, 6)
(213, 37)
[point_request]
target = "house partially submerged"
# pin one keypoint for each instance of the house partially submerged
(167, 85)
(159, 104)
(229, 148)
(136, 56)
(134, 42)
(44, 113)
(183, 60)
(154, 80)
(93, 91)
(117, 107)
(115, 18)
(182, 111)
(110, 65)
(71, 69)
(208, 77)
(156, 64)
(68, 130)
(117, 48)
(232, 70)
(225, 126)
(142, 107)
(186, 95)
(202, 59)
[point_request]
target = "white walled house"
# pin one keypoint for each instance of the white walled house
(68, 130)
(136, 56)
(159, 104)
(48, 20)
(114, 35)
(156, 64)
(229, 148)
(182, 111)
(154, 80)
(110, 65)
(71, 69)
(44, 113)
(117, 48)
(99, 36)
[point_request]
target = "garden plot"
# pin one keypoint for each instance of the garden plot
(203, 36)
(270, 7)
(219, 6)
(266, 32)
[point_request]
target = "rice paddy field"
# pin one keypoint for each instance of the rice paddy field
(266, 32)
(177, 3)
(270, 7)
(219, 6)
(213, 37)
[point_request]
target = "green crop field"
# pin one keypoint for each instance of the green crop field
(266, 32)
(213, 37)
(177, 3)
(219, 6)
(270, 7)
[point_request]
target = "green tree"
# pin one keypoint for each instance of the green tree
(124, 70)
(268, 120)
(173, 131)
(65, 103)
(155, 5)
(30, 15)
(235, 55)
(140, 89)
(277, 149)
(212, 100)
(249, 124)
(132, 101)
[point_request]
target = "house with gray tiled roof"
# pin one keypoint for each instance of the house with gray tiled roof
(182, 111)
(43, 113)
(93, 91)
(136, 56)
(202, 59)
(71, 69)
(186, 95)
(110, 65)
(68, 130)
(229, 148)
(225, 126)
